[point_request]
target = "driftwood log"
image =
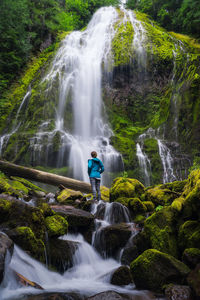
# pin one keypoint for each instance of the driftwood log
(44, 177)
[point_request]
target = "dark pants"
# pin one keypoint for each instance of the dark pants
(95, 184)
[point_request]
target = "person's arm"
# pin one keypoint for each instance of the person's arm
(102, 167)
(89, 166)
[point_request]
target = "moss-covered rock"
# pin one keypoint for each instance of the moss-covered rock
(25, 238)
(160, 196)
(56, 225)
(105, 193)
(136, 206)
(125, 187)
(160, 228)
(191, 257)
(189, 235)
(68, 196)
(153, 269)
(6, 188)
(149, 206)
(4, 209)
(177, 204)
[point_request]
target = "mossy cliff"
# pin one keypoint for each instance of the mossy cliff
(150, 83)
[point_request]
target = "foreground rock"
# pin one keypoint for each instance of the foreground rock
(6, 244)
(194, 280)
(121, 276)
(178, 292)
(154, 269)
(60, 254)
(78, 219)
(55, 296)
(111, 295)
(109, 240)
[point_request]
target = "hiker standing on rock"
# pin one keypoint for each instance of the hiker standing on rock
(95, 168)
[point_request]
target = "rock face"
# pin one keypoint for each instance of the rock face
(6, 244)
(191, 257)
(152, 269)
(178, 292)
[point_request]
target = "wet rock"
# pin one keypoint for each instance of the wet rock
(121, 276)
(67, 196)
(191, 257)
(100, 211)
(86, 205)
(126, 187)
(153, 269)
(111, 295)
(178, 292)
(25, 238)
(60, 254)
(194, 280)
(109, 240)
(55, 296)
(78, 219)
(6, 244)
(189, 235)
(37, 194)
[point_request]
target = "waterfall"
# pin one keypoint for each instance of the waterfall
(144, 164)
(78, 67)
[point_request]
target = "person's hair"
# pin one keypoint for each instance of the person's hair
(93, 154)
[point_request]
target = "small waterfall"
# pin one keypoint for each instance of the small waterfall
(167, 162)
(144, 164)
(4, 139)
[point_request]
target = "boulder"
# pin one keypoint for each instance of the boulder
(136, 207)
(154, 269)
(56, 225)
(25, 238)
(194, 280)
(78, 219)
(160, 196)
(126, 187)
(67, 196)
(109, 240)
(191, 257)
(60, 254)
(6, 244)
(178, 292)
(15, 213)
(189, 235)
(55, 296)
(160, 228)
(121, 276)
(149, 206)
(111, 295)
(105, 193)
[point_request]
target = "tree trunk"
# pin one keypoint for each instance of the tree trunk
(49, 178)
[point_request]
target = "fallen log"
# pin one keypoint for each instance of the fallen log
(44, 177)
(26, 282)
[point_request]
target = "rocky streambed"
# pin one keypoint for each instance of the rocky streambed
(137, 243)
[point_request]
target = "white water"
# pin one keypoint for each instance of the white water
(144, 164)
(89, 275)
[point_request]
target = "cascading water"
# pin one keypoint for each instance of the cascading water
(144, 164)
(89, 275)
(78, 65)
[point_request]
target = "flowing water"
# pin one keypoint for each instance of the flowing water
(90, 274)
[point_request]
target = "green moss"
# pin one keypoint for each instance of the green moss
(161, 231)
(27, 183)
(125, 187)
(189, 235)
(4, 209)
(149, 206)
(177, 204)
(168, 270)
(122, 43)
(56, 225)
(139, 219)
(105, 193)
(160, 196)
(136, 206)
(123, 200)
(19, 186)
(25, 238)
(68, 196)
(6, 188)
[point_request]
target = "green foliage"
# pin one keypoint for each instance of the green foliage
(180, 15)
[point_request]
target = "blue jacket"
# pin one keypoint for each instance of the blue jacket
(95, 167)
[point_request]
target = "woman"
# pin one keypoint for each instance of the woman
(95, 168)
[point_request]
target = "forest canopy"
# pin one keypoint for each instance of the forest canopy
(175, 15)
(29, 26)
